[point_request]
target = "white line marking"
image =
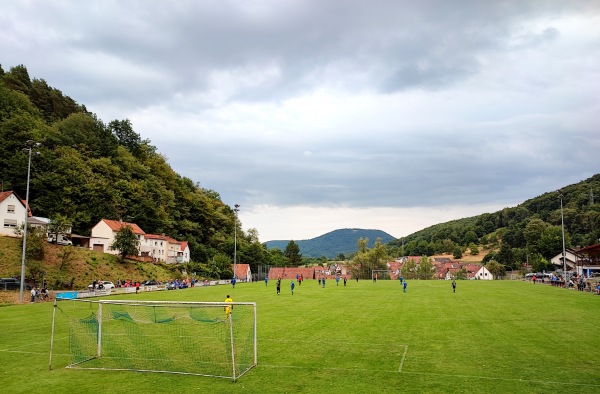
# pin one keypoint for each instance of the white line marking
(403, 357)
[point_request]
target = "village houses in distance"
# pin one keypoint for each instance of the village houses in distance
(162, 248)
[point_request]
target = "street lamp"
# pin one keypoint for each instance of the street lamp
(562, 225)
(31, 144)
(235, 210)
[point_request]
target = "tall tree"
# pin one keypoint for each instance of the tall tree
(126, 242)
(292, 253)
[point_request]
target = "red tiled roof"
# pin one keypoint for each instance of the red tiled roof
(184, 244)
(154, 236)
(115, 225)
(291, 272)
(242, 270)
(4, 196)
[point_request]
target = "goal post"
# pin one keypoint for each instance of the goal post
(380, 274)
(194, 338)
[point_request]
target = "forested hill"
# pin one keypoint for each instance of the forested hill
(334, 243)
(85, 169)
(529, 231)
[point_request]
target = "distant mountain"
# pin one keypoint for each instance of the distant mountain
(334, 243)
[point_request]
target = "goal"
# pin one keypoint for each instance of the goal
(194, 338)
(380, 274)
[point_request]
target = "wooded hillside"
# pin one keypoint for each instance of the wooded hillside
(86, 169)
(530, 231)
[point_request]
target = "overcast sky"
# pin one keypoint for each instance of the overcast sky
(315, 115)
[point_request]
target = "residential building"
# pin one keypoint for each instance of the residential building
(12, 213)
(243, 272)
(165, 249)
(483, 274)
(572, 257)
(185, 252)
(104, 232)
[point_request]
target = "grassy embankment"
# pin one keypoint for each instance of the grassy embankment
(65, 265)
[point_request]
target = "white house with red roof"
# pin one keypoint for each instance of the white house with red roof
(185, 252)
(483, 274)
(165, 249)
(12, 212)
(104, 232)
(243, 272)
(155, 246)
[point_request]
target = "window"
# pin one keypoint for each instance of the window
(11, 209)
(10, 223)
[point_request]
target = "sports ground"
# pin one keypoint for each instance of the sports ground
(488, 337)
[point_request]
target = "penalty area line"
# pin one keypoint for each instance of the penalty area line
(403, 358)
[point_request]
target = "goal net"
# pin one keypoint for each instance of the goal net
(380, 274)
(195, 338)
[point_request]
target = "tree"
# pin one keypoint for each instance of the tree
(123, 130)
(292, 253)
(66, 255)
(59, 224)
(409, 269)
(496, 269)
(470, 236)
(126, 242)
(223, 265)
(550, 243)
(533, 232)
(457, 252)
(425, 268)
(474, 249)
(276, 257)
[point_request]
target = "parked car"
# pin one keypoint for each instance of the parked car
(151, 282)
(9, 284)
(103, 285)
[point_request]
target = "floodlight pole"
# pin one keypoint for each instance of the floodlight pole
(562, 225)
(30, 144)
(235, 210)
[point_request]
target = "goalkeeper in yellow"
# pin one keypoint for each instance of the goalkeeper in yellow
(228, 308)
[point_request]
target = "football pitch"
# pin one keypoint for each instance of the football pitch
(488, 337)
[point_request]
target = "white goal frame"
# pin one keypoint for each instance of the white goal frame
(386, 274)
(177, 304)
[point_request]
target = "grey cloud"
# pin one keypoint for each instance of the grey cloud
(125, 56)
(394, 45)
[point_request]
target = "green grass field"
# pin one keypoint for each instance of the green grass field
(488, 337)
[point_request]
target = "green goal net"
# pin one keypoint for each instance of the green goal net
(196, 338)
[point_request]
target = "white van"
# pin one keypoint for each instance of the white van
(62, 239)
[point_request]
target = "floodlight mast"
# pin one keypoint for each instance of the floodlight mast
(236, 209)
(30, 145)
(562, 226)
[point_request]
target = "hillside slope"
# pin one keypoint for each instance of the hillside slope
(72, 267)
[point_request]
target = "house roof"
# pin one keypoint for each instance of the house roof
(591, 248)
(154, 236)
(184, 244)
(241, 270)
(115, 225)
(4, 196)
(290, 272)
